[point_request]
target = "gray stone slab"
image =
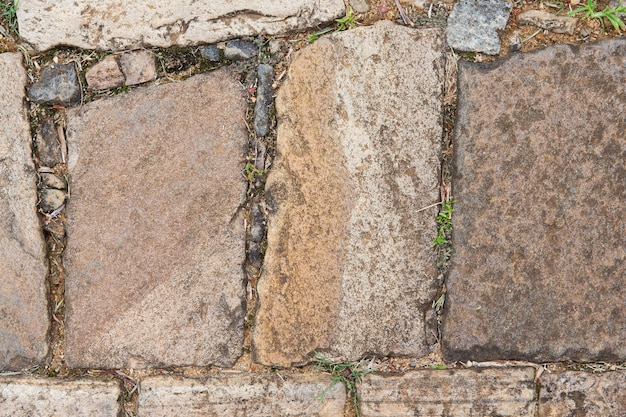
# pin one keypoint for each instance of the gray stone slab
(155, 248)
(473, 25)
(109, 24)
(450, 393)
(239, 395)
(23, 265)
(51, 397)
(574, 394)
(349, 267)
(539, 263)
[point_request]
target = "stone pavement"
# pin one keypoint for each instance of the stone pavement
(169, 214)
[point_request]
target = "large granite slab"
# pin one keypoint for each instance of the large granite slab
(23, 264)
(540, 177)
(582, 394)
(48, 397)
(111, 24)
(450, 393)
(349, 267)
(154, 244)
(239, 395)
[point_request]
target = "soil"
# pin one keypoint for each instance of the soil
(180, 63)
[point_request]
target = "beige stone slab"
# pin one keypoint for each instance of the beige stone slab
(582, 394)
(539, 168)
(450, 393)
(110, 24)
(349, 267)
(242, 395)
(23, 265)
(53, 397)
(155, 245)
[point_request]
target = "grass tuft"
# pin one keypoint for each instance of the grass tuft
(8, 8)
(612, 15)
(347, 373)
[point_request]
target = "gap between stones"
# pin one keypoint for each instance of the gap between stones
(255, 168)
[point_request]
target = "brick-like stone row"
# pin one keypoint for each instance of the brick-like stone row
(52, 397)
(539, 182)
(349, 266)
(23, 266)
(108, 24)
(155, 245)
(251, 395)
(455, 392)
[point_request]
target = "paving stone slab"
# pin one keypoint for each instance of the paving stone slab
(23, 264)
(450, 393)
(349, 267)
(539, 264)
(48, 397)
(581, 394)
(155, 248)
(112, 25)
(242, 395)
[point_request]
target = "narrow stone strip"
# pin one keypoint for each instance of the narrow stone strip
(109, 24)
(234, 395)
(46, 397)
(456, 392)
(23, 266)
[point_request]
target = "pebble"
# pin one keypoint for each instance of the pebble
(473, 25)
(49, 180)
(548, 21)
(210, 52)
(359, 6)
(239, 50)
(58, 84)
(264, 98)
(51, 199)
(138, 67)
(254, 254)
(105, 74)
(257, 224)
(47, 144)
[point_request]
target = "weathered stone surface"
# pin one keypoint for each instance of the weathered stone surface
(47, 144)
(23, 265)
(138, 67)
(349, 267)
(456, 392)
(539, 264)
(108, 24)
(58, 84)
(253, 395)
(582, 394)
(105, 74)
(156, 277)
(264, 98)
(239, 50)
(48, 397)
(473, 25)
(548, 21)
